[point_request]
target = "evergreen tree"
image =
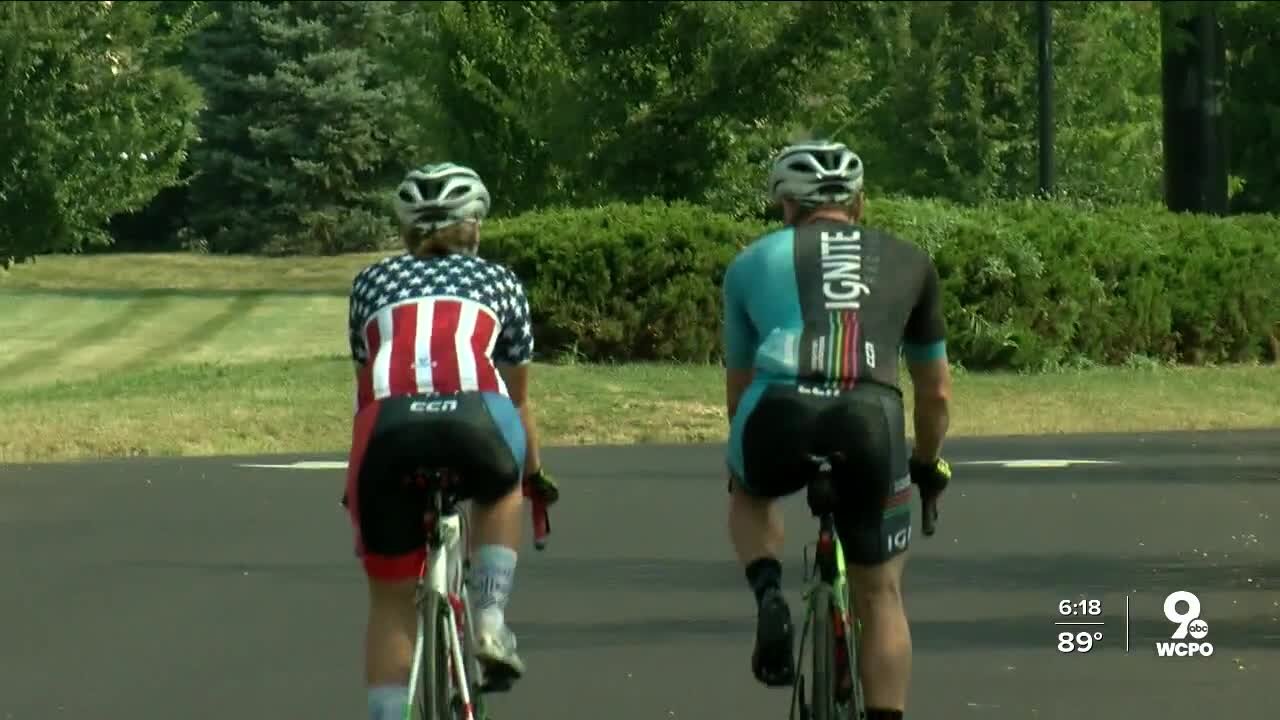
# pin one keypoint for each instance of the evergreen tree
(306, 130)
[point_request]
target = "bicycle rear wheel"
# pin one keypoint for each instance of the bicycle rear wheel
(434, 689)
(853, 653)
(822, 704)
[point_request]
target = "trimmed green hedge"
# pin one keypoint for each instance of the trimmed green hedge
(1028, 285)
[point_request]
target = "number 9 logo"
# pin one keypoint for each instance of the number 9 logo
(1182, 620)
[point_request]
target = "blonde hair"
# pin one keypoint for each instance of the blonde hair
(855, 208)
(463, 237)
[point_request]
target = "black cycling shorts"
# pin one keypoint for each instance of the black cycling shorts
(479, 436)
(866, 426)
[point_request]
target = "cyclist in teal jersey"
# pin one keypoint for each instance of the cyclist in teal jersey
(815, 317)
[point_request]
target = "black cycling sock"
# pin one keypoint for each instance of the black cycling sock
(764, 574)
(882, 714)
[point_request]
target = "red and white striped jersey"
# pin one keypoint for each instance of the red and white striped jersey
(442, 325)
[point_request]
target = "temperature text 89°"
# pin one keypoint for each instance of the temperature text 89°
(1081, 642)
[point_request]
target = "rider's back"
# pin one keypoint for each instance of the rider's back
(436, 325)
(828, 303)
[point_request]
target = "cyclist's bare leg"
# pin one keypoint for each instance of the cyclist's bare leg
(389, 639)
(885, 654)
(496, 530)
(498, 523)
(755, 526)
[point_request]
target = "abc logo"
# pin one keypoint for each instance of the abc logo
(1198, 629)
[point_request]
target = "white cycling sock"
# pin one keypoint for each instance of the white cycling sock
(388, 702)
(493, 570)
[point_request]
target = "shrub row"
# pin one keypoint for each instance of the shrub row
(1028, 285)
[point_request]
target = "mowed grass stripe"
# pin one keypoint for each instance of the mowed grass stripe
(120, 342)
(198, 334)
(29, 327)
(279, 328)
(102, 323)
(108, 293)
(68, 339)
(189, 271)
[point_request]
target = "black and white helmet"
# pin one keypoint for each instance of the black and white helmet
(815, 173)
(437, 196)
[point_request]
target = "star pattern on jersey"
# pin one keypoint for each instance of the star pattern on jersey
(402, 278)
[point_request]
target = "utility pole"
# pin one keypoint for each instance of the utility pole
(1193, 68)
(1045, 41)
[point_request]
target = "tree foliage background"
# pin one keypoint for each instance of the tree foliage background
(96, 118)
(280, 127)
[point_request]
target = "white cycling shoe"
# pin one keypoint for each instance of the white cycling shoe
(496, 651)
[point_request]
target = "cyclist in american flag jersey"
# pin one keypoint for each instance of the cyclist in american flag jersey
(435, 321)
(460, 335)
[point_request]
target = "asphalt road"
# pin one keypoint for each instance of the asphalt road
(198, 588)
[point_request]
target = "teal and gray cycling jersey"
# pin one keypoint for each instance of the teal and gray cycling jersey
(831, 304)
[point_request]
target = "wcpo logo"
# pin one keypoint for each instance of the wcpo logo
(1189, 623)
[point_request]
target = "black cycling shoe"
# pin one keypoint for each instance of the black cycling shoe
(773, 661)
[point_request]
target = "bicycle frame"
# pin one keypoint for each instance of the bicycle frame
(443, 574)
(849, 629)
(829, 569)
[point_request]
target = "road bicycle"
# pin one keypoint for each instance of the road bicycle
(836, 689)
(446, 681)
(835, 682)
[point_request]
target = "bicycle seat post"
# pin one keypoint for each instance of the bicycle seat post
(821, 497)
(438, 503)
(821, 491)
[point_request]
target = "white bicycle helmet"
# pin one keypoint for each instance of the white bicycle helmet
(437, 196)
(815, 173)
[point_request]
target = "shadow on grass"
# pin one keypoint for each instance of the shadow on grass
(194, 293)
(198, 334)
(139, 310)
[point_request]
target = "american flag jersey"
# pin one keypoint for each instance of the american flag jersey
(442, 324)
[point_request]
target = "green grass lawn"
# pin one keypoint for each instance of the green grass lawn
(181, 354)
(186, 271)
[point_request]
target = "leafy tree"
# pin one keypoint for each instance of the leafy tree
(595, 101)
(958, 111)
(496, 88)
(95, 118)
(316, 107)
(306, 129)
(732, 83)
(1252, 31)
(587, 102)
(1109, 136)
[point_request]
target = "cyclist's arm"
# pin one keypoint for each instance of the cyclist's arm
(355, 339)
(925, 349)
(739, 337)
(517, 379)
(512, 355)
(736, 382)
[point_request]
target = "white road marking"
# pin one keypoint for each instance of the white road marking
(304, 465)
(1013, 464)
(1023, 464)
